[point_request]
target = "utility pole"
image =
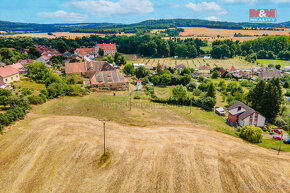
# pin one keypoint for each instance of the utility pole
(130, 100)
(280, 143)
(190, 105)
(104, 123)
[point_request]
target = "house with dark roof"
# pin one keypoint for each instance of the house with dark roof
(180, 67)
(241, 115)
(112, 80)
(267, 75)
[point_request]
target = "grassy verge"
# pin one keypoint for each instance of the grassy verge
(274, 144)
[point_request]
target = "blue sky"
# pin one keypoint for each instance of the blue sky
(130, 11)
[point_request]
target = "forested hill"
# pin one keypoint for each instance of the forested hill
(33, 27)
(144, 26)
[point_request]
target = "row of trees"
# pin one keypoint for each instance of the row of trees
(270, 47)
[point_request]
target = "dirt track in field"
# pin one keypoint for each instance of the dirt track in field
(60, 154)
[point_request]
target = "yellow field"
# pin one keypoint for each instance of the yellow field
(57, 148)
(202, 31)
(195, 63)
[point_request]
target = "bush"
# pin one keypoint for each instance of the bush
(207, 101)
(35, 100)
(191, 86)
(252, 134)
(137, 97)
(196, 92)
(149, 89)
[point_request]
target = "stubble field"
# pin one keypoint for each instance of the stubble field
(56, 150)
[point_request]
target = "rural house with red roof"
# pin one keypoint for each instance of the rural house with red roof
(109, 49)
(241, 115)
(9, 74)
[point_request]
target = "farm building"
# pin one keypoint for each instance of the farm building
(112, 80)
(9, 74)
(241, 115)
(267, 75)
(77, 68)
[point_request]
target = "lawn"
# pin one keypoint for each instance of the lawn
(266, 62)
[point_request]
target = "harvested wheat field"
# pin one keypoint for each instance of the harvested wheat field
(202, 31)
(61, 154)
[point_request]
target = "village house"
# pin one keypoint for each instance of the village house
(43, 59)
(204, 70)
(101, 74)
(112, 80)
(180, 67)
(4, 85)
(109, 49)
(267, 75)
(232, 69)
(82, 52)
(9, 74)
(241, 115)
(19, 67)
(26, 61)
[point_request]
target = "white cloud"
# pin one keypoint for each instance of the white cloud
(213, 18)
(241, 1)
(205, 7)
(280, 1)
(64, 16)
(104, 8)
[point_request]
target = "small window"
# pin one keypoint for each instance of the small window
(11, 78)
(16, 76)
(6, 79)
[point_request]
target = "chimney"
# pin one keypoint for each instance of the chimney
(239, 108)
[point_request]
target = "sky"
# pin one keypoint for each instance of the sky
(132, 11)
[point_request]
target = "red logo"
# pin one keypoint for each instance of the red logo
(263, 13)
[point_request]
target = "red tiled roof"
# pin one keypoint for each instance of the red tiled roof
(107, 46)
(204, 67)
(27, 61)
(75, 67)
(232, 69)
(16, 66)
(7, 71)
(222, 71)
(84, 51)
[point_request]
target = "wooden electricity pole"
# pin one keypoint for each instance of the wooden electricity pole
(130, 100)
(280, 143)
(104, 123)
(190, 105)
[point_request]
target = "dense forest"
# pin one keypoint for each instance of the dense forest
(142, 27)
